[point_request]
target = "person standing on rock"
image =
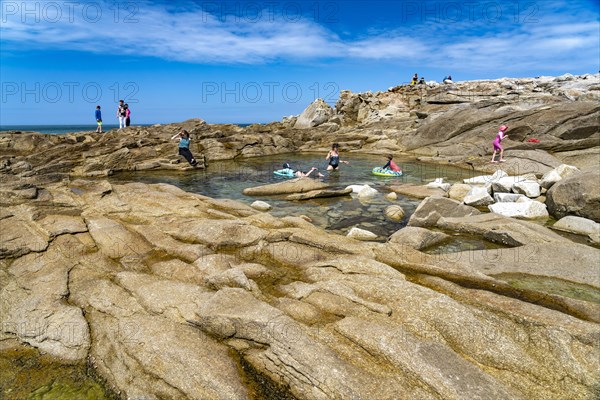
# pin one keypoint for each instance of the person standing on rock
(334, 158)
(184, 147)
(98, 119)
(496, 143)
(127, 115)
(121, 114)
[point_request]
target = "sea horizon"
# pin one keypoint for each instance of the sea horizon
(73, 128)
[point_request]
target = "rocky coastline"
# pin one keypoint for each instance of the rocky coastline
(167, 294)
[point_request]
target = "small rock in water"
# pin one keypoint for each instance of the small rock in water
(361, 234)
(306, 218)
(394, 213)
(356, 188)
(439, 184)
(391, 196)
(367, 191)
(261, 205)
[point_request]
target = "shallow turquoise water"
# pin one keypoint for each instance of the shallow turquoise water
(227, 179)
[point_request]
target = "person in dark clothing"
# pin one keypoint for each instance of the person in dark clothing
(121, 111)
(184, 147)
(127, 115)
(334, 158)
(98, 119)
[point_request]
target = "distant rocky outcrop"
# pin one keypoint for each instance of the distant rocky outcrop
(443, 123)
(315, 114)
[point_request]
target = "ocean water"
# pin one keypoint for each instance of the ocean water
(64, 129)
(56, 129)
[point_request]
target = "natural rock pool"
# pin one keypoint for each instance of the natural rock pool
(227, 179)
(26, 374)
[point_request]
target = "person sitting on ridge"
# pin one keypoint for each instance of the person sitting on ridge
(184, 147)
(415, 79)
(422, 81)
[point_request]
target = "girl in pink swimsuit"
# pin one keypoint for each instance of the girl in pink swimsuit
(497, 141)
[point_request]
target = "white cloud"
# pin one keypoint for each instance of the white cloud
(194, 35)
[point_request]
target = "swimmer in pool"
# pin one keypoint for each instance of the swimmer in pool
(334, 158)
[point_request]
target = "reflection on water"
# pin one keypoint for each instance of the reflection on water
(25, 374)
(227, 179)
(461, 242)
(551, 285)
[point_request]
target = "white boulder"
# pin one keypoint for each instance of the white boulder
(527, 209)
(528, 188)
(508, 197)
(355, 188)
(579, 225)
(439, 184)
(261, 205)
(506, 183)
(366, 192)
(361, 234)
(478, 196)
(458, 191)
(483, 179)
(555, 175)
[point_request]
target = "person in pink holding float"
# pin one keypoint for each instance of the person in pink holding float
(127, 115)
(497, 147)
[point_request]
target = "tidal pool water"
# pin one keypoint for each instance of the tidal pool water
(227, 179)
(551, 285)
(26, 374)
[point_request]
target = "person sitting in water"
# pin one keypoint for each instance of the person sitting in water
(391, 165)
(184, 147)
(334, 158)
(289, 171)
(301, 174)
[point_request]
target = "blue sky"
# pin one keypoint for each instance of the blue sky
(256, 61)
